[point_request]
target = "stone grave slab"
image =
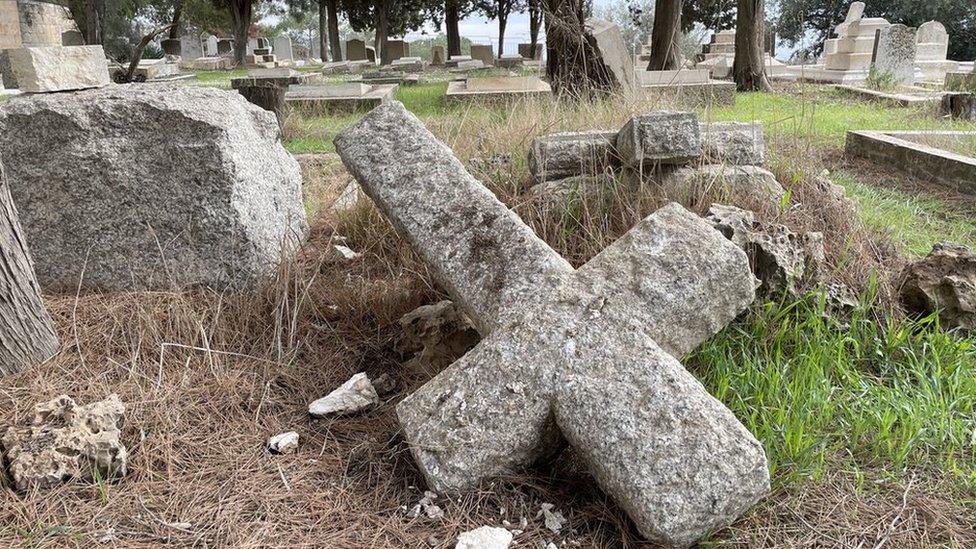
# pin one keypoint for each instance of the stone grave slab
(58, 68)
(896, 54)
(483, 53)
(588, 355)
(901, 150)
(351, 96)
(659, 137)
(498, 88)
(931, 52)
(614, 52)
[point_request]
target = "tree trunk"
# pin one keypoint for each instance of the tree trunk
(268, 96)
(323, 32)
(240, 14)
(333, 13)
(502, 23)
(571, 57)
(749, 68)
(93, 15)
(664, 36)
(451, 17)
(960, 105)
(174, 32)
(535, 21)
(27, 334)
(382, 28)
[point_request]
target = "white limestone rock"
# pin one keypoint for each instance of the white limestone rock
(486, 537)
(58, 68)
(661, 137)
(66, 441)
(736, 143)
(285, 443)
(353, 396)
(152, 187)
(690, 184)
(568, 154)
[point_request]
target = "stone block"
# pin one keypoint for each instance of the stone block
(662, 137)
(58, 68)
(573, 153)
(613, 52)
(483, 53)
(217, 201)
(736, 143)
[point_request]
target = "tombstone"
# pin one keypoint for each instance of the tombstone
(355, 50)
(266, 88)
(525, 50)
(496, 88)
(140, 218)
(252, 44)
(853, 47)
(614, 53)
(191, 47)
(395, 49)
(282, 47)
(225, 46)
(931, 52)
(371, 54)
(483, 53)
(437, 55)
(345, 97)
(587, 355)
(896, 54)
(26, 330)
(263, 43)
(58, 68)
(210, 49)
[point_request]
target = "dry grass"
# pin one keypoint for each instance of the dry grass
(207, 377)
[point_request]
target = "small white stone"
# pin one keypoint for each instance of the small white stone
(486, 537)
(285, 443)
(343, 253)
(354, 395)
(554, 519)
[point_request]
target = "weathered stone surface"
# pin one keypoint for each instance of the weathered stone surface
(66, 441)
(354, 395)
(614, 53)
(735, 143)
(285, 443)
(580, 359)
(572, 153)
(569, 192)
(476, 247)
(214, 204)
(943, 281)
(486, 537)
(58, 68)
(661, 137)
(691, 185)
(778, 256)
(435, 335)
(896, 54)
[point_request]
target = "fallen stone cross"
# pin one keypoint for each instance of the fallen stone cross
(588, 354)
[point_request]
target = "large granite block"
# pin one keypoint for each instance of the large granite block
(662, 137)
(58, 68)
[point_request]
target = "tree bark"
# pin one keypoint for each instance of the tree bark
(535, 21)
(268, 96)
(571, 55)
(451, 17)
(749, 68)
(382, 29)
(93, 15)
(960, 105)
(333, 13)
(240, 14)
(174, 32)
(27, 336)
(323, 32)
(503, 8)
(664, 36)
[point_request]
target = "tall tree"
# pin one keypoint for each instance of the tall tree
(749, 67)
(241, 15)
(665, 50)
(452, 17)
(390, 18)
(332, 12)
(571, 55)
(535, 23)
(499, 9)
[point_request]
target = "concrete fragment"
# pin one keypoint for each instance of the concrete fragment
(736, 143)
(945, 282)
(569, 154)
(218, 202)
(661, 137)
(486, 537)
(340, 253)
(435, 335)
(285, 443)
(689, 185)
(58, 68)
(353, 396)
(66, 440)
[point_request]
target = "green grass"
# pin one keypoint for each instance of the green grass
(890, 396)
(218, 79)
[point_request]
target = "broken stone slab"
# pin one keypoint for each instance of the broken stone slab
(570, 193)
(614, 53)
(434, 336)
(735, 143)
(218, 204)
(353, 396)
(562, 155)
(38, 69)
(340, 253)
(778, 256)
(672, 278)
(689, 185)
(65, 441)
(471, 250)
(945, 282)
(486, 537)
(662, 137)
(285, 443)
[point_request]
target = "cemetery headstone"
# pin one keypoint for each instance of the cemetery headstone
(483, 53)
(211, 46)
(27, 336)
(58, 68)
(395, 49)
(219, 205)
(586, 354)
(282, 47)
(614, 53)
(437, 55)
(525, 50)
(896, 54)
(191, 47)
(932, 50)
(355, 50)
